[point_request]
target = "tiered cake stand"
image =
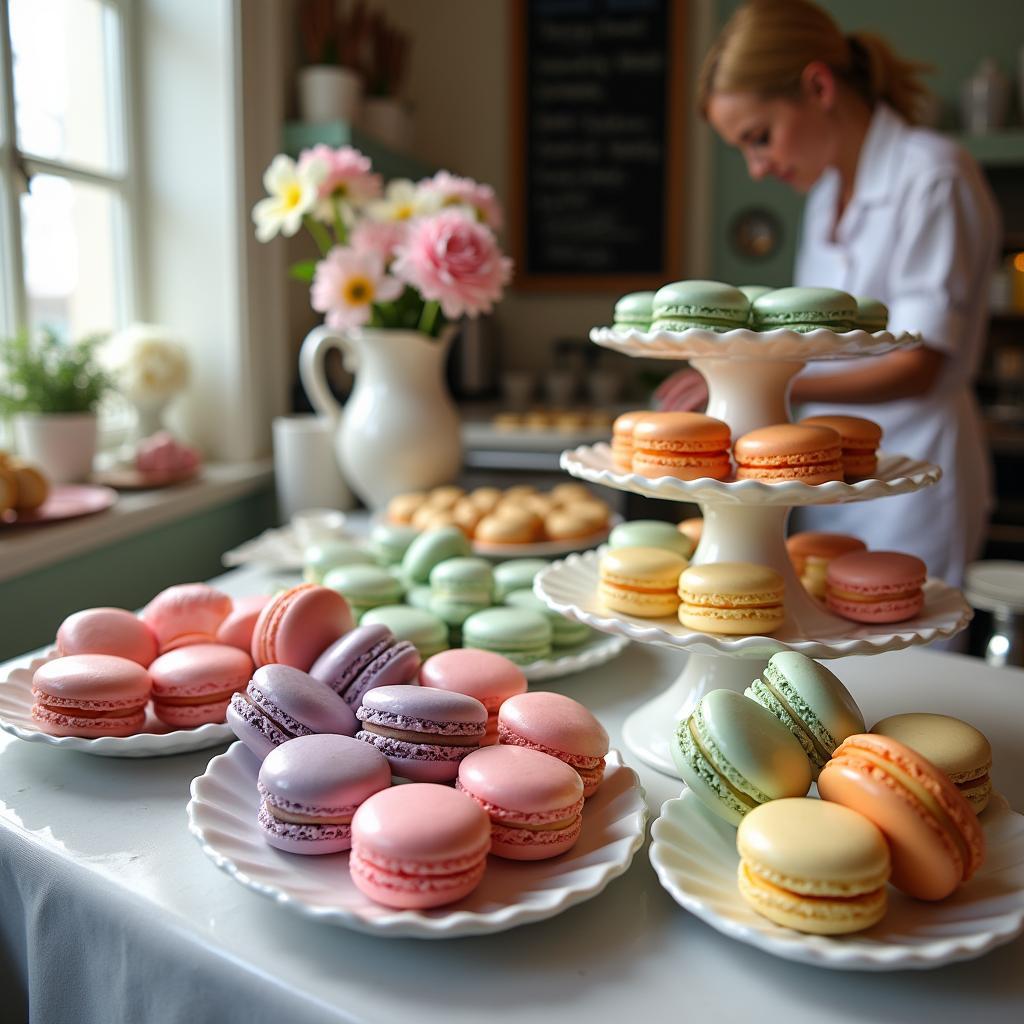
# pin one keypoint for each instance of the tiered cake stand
(748, 376)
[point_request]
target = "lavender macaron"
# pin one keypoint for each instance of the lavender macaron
(423, 732)
(311, 786)
(281, 703)
(365, 658)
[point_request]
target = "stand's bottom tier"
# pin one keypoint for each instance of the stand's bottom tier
(571, 587)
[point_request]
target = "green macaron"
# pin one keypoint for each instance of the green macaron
(805, 309)
(320, 559)
(707, 304)
(564, 632)
(520, 634)
(872, 315)
(459, 587)
(633, 312)
(424, 630)
(419, 596)
(735, 755)
(389, 542)
(515, 574)
(650, 533)
(755, 291)
(364, 586)
(810, 702)
(431, 548)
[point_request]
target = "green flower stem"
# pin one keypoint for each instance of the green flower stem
(340, 231)
(429, 318)
(320, 234)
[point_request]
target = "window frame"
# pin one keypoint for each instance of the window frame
(18, 167)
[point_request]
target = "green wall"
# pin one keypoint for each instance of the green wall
(951, 35)
(128, 573)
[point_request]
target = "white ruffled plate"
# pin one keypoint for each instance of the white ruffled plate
(743, 343)
(694, 855)
(600, 648)
(157, 740)
(896, 474)
(571, 587)
(278, 549)
(222, 817)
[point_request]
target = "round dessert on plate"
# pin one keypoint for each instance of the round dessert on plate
(737, 598)
(418, 846)
(859, 439)
(622, 439)
(813, 866)
(107, 631)
(805, 309)
(735, 755)
(520, 634)
(651, 533)
(194, 685)
(811, 552)
(419, 626)
(298, 624)
(640, 581)
(363, 659)
(633, 312)
(789, 451)
(710, 305)
(684, 445)
(364, 587)
(875, 586)
(237, 629)
(187, 613)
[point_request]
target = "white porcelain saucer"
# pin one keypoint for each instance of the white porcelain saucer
(222, 817)
(156, 740)
(694, 855)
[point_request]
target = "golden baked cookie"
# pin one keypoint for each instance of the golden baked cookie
(566, 494)
(565, 524)
(485, 498)
(510, 528)
(444, 497)
(402, 506)
(466, 515)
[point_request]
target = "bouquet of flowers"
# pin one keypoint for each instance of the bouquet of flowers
(413, 255)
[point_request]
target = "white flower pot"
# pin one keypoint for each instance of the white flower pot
(61, 444)
(399, 431)
(329, 93)
(388, 121)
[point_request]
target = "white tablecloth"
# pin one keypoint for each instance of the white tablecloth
(110, 912)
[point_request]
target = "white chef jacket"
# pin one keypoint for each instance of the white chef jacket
(920, 233)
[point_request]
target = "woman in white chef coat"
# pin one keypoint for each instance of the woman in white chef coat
(893, 211)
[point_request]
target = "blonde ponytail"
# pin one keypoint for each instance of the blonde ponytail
(766, 44)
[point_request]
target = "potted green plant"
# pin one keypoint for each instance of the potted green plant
(51, 389)
(330, 83)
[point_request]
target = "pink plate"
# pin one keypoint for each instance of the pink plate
(66, 501)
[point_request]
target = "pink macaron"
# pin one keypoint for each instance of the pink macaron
(188, 613)
(237, 629)
(298, 625)
(281, 703)
(424, 733)
(875, 586)
(193, 685)
(310, 789)
(490, 678)
(90, 695)
(419, 846)
(560, 726)
(107, 631)
(534, 800)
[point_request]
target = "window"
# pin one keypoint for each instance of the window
(67, 192)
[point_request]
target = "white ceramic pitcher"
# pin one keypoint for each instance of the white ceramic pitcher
(399, 431)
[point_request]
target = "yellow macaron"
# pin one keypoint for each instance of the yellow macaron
(814, 866)
(641, 581)
(738, 598)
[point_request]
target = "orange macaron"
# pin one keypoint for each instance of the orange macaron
(685, 445)
(622, 439)
(933, 834)
(811, 552)
(859, 439)
(789, 451)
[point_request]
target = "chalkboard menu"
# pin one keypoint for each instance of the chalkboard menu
(596, 142)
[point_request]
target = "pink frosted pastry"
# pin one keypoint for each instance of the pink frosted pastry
(193, 685)
(424, 733)
(189, 613)
(90, 695)
(298, 625)
(237, 629)
(559, 726)
(875, 586)
(534, 801)
(310, 789)
(490, 678)
(418, 846)
(107, 631)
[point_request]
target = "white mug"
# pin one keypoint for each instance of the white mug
(305, 471)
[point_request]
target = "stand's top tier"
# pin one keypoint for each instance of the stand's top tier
(781, 345)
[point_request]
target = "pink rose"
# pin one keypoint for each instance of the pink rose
(347, 283)
(347, 173)
(451, 190)
(451, 259)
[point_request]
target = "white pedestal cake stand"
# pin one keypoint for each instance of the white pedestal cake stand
(748, 376)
